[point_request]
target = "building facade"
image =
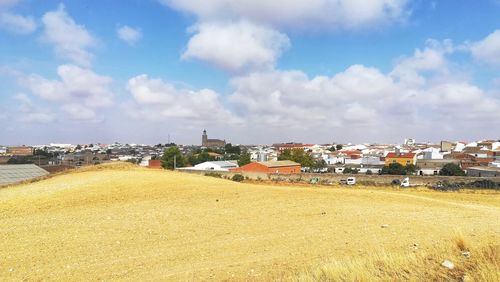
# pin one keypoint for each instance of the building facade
(211, 143)
(401, 158)
(283, 167)
(20, 151)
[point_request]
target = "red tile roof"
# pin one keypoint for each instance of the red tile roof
(400, 155)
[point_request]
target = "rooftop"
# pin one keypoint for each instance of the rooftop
(10, 174)
(279, 163)
(400, 155)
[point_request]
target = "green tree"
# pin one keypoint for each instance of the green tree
(394, 169)
(298, 156)
(349, 170)
(319, 164)
(171, 153)
(333, 149)
(338, 147)
(244, 159)
(451, 169)
(230, 149)
(20, 160)
(411, 169)
(285, 155)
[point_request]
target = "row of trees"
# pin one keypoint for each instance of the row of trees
(173, 156)
(449, 169)
(398, 169)
(299, 156)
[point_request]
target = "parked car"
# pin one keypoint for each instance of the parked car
(406, 182)
(351, 180)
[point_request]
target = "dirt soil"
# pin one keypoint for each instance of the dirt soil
(139, 224)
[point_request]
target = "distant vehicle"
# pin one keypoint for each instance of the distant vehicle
(343, 181)
(314, 180)
(406, 182)
(351, 180)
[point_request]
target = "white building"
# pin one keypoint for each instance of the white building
(215, 165)
(410, 141)
(334, 160)
(431, 154)
(459, 147)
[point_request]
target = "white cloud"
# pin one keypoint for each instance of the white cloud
(236, 46)
(80, 112)
(17, 23)
(412, 70)
(323, 14)
(154, 99)
(71, 41)
(30, 113)
(38, 117)
(363, 102)
(75, 84)
(291, 99)
(487, 50)
(243, 35)
(129, 34)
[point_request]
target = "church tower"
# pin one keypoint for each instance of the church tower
(204, 138)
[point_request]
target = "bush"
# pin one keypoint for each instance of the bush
(238, 178)
(213, 174)
(369, 172)
(452, 169)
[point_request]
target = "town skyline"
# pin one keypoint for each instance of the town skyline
(252, 72)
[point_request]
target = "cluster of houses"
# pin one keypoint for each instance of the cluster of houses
(480, 158)
(476, 158)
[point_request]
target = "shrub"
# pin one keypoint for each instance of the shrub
(238, 177)
(213, 174)
(452, 169)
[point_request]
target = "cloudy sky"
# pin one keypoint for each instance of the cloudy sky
(249, 71)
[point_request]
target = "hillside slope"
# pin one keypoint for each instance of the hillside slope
(132, 223)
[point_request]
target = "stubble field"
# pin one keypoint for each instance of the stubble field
(126, 223)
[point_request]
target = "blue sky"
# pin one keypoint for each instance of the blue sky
(248, 71)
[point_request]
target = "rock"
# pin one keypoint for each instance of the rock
(466, 254)
(415, 245)
(385, 226)
(448, 264)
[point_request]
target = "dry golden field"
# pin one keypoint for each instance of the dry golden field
(125, 223)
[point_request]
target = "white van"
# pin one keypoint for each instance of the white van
(351, 180)
(406, 182)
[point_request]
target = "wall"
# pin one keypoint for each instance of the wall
(335, 178)
(402, 161)
(154, 164)
(256, 167)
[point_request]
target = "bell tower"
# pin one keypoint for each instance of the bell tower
(204, 138)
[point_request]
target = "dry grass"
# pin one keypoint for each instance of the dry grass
(123, 223)
(483, 264)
